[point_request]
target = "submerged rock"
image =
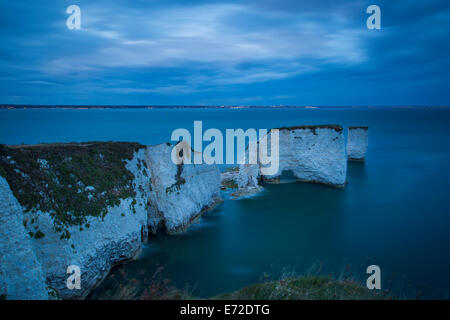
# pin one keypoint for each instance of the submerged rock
(357, 141)
(95, 245)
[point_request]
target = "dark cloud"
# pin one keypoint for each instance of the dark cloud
(225, 52)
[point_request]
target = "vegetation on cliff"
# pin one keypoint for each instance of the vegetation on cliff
(179, 180)
(70, 181)
(359, 127)
(228, 184)
(313, 128)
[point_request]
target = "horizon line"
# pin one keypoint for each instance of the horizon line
(124, 106)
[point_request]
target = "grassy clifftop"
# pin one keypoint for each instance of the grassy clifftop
(70, 181)
(290, 288)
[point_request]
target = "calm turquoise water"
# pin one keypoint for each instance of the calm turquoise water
(393, 212)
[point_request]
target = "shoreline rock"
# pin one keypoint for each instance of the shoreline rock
(357, 142)
(179, 192)
(314, 154)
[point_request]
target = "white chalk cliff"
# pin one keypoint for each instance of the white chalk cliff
(32, 266)
(180, 193)
(108, 241)
(21, 275)
(357, 141)
(312, 153)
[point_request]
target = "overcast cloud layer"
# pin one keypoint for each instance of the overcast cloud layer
(229, 52)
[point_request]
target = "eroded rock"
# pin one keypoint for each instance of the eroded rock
(357, 142)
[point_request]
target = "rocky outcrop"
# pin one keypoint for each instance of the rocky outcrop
(312, 153)
(21, 275)
(180, 193)
(94, 245)
(90, 205)
(357, 141)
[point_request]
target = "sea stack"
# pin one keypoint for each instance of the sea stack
(357, 141)
(180, 193)
(313, 154)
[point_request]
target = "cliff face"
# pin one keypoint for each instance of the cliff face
(21, 275)
(179, 192)
(357, 141)
(92, 215)
(312, 153)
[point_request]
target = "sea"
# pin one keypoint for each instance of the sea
(393, 213)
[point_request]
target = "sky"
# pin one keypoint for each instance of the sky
(248, 52)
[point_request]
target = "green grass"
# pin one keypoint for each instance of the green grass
(313, 128)
(2, 172)
(39, 234)
(304, 288)
(288, 287)
(53, 178)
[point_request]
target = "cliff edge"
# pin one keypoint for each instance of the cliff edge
(311, 153)
(21, 275)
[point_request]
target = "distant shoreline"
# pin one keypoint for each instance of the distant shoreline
(97, 107)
